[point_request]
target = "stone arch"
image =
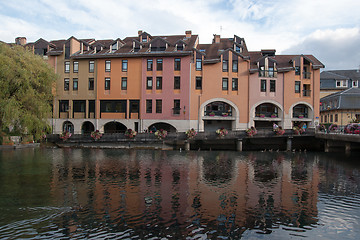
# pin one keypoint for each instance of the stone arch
(68, 126)
(162, 125)
(311, 112)
(306, 118)
(235, 112)
(87, 127)
(114, 127)
(278, 118)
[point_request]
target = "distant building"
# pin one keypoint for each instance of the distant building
(338, 80)
(341, 107)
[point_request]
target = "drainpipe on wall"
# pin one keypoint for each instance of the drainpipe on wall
(198, 125)
(283, 117)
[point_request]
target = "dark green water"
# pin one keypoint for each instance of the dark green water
(126, 194)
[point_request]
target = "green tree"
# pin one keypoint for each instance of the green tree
(26, 83)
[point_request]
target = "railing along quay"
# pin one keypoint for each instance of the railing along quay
(234, 140)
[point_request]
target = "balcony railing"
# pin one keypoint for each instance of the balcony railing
(218, 113)
(300, 115)
(266, 115)
(267, 73)
(306, 93)
(176, 111)
(307, 75)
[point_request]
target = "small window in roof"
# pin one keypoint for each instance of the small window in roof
(114, 47)
(179, 47)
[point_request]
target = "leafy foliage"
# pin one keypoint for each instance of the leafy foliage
(26, 83)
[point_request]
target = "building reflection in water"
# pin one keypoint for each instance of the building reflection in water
(162, 190)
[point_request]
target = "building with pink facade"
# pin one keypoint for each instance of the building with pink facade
(174, 83)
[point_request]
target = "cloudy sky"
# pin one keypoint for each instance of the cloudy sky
(328, 29)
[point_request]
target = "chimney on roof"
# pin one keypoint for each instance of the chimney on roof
(20, 41)
(188, 34)
(268, 52)
(216, 38)
(140, 32)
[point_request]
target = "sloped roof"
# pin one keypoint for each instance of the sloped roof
(283, 62)
(214, 51)
(127, 48)
(341, 74)
(347, 99)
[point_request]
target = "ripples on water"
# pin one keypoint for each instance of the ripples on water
(118, 194)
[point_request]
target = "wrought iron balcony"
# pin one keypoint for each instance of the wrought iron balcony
(300, 115)
(267, 73)
(306, 75)
(266, 115)
(176, 111)
(306, 93)
(218, 113)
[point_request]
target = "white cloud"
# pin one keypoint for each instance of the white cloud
(337, 49)
(264, 24)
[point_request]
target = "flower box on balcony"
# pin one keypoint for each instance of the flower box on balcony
(262, 115)
(225, 114)
(301, 116)
(211, 114)
(273, 115)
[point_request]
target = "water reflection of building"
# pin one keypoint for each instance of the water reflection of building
(169, 189)
(260, 191)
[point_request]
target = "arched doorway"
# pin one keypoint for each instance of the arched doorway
(161, 125)
(87, 127)
(301, 111)
(302, 114)
(218, 114)
(266, 114)
(114, 127)
(68, 126)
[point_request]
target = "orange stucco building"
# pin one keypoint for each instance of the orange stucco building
(175, 83)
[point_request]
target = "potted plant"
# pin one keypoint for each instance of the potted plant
(211, 114)
(222, 132)
(322, 128)
(262, 115)
(161, 134)
(273, 115)
(333, 127)
(65, 135)
(251, 131)
(225, 114)
(297, 130)
(301, 116)
(96, 135)
(191, 133)
(279, 131)
(129, 133)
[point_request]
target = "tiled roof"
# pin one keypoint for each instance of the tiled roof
(127, 48)
(347, 99)
(341, 74)
(214, 51)
(283, 62)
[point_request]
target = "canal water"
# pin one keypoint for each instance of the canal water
(143, 194)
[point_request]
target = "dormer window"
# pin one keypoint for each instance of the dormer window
(341, 83)
(179, 47)
(267, 67)
(355, 83)
(158, 45)
(114, 47)
(238, 49)
(136, 46)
